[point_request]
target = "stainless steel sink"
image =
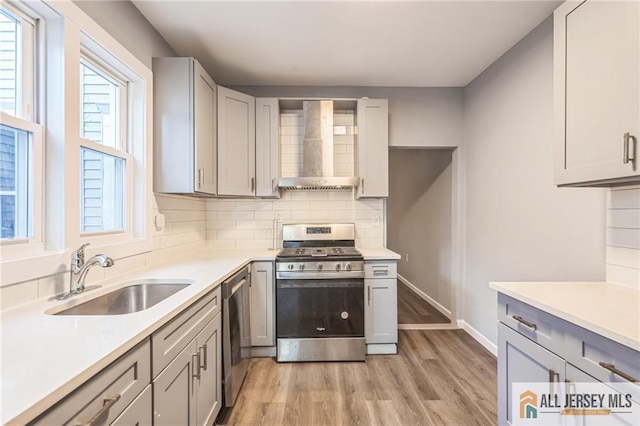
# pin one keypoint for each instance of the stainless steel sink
(126, 300)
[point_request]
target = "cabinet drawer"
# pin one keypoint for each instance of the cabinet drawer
(123, 380)
(380, 270)
(139, 413)
(539, 326)
(586, 350)
(171, 339)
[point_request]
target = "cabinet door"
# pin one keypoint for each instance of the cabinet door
(381, 311)
(262, 312)
(597, 89)
(138, 413)
(373, 148)
(521, 360)
(204, 130)
(209, 385)
(267, 147)
(236, 143)
(174, 390)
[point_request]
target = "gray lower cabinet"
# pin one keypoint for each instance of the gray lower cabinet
(262, 304)
(108, 394)
(174, 392)
(381, 307)
(188, 391)
(522, 360)
(535, 346)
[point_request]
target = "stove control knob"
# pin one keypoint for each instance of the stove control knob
(348, 266)
(301, 266)
(338, 266)
(320, 266)
(290, 266)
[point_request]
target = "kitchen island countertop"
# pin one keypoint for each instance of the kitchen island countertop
(611, 310)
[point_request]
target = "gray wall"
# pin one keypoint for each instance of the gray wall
(128, 26)
(519, 226)
(419, 218)
(418, 117)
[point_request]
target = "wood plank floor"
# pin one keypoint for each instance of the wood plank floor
(412, 309)
(438, 377)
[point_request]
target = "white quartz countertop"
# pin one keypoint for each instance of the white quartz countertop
(610, 310)
(378, 253)
(44, 357)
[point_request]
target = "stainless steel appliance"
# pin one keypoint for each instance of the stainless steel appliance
(236, 336)
(320, 294)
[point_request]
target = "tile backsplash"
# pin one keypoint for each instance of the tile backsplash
(250, 223)
(623, 236)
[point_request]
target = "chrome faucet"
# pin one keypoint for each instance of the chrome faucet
(80, 268)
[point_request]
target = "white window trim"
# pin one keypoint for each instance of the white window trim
(67, 25)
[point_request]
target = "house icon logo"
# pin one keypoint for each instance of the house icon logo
(528, 405)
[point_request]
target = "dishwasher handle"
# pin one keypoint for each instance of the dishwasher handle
(233, 284)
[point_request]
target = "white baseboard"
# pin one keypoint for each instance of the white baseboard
(444, 311)
(382, 349)
(444, 326)
(479, 337)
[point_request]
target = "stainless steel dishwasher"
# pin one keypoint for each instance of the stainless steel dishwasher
(236, 336)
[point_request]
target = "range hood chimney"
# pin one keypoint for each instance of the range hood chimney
(317, 152)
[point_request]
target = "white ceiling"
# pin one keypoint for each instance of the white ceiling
(345, 43)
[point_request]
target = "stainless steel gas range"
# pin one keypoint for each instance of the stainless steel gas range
(320, 294)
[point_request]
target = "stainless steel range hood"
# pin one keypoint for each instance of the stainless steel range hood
(317, 152)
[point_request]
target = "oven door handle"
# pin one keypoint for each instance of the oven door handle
(319, 275)
(318, 284)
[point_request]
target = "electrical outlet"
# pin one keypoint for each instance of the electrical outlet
(375, 219)
(406, 257)
(277, 216)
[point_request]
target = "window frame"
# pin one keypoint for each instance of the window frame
(65, 30)
(28, 100)
(121, 150)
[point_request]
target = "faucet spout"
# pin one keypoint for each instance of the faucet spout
(99, 259)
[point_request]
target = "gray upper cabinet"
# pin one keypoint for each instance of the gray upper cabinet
(372, 150)
(596, 92)
(236, 143)
(184, 127)
(267, 147)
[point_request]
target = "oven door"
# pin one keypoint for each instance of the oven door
(319, 308)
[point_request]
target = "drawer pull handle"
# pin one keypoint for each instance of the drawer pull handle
(380, 272)
(195, 365)
(525, 322)
(203, 357)
(617, 372)
(106, 406)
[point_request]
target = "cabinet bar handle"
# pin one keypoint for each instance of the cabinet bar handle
(106, 406)
(612, 368)
(195, 365)
(552, 376)
(368, 295)
(362, 185)
(381, 272)
(274, 185)
(253, 184)
(525, 322)
(203, 357)
(629, 154)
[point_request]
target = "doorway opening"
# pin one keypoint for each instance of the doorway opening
(420, 224)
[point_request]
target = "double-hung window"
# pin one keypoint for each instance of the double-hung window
(104, 153)
(21, 144)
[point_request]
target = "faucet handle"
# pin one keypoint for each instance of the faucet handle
(77, 258)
